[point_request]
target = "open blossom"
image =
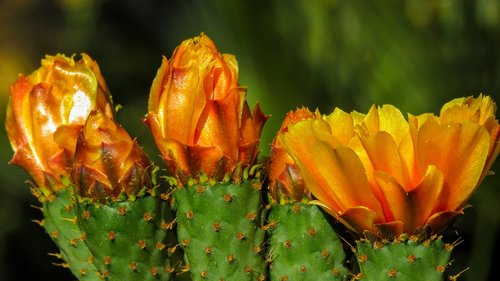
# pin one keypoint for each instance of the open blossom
(46, 111)
(108, 161)
(285, 179)
(379, 173)
(198, 114)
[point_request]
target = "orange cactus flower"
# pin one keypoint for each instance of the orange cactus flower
(108, 161)
(198, 114)
(381, 174)
(285, 179)
(46, 111)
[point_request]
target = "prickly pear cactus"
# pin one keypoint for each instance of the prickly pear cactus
(130, 239)
(219, 229)
(60, 222)
(403, 259)
(303, 244)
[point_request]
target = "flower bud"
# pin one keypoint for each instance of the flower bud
(46, 111)
(285, 179)
(198, 114)
(108, 161)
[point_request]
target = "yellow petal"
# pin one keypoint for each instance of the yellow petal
(393, 122)
(459, 151)
(395, 201)
(427, 197)
(383, 153)
(335, 176)
(342, 125)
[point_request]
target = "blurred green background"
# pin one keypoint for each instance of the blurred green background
(414, 54)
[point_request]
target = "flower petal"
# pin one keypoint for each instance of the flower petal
(358, 218)
(426, 197)
(394, 200)
(342, 124)
(459, 151)
(334, 174)
(383, 154)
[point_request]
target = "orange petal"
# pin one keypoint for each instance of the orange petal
(394, 201)
(334, 174)
(181, 104)
(439, 221)
(393, 122)
(162, 75)
(340, 176)
(459, 151)
(383, 153)
(369, 126)
(389, 230)
(427, 197)
(342, 125)
(358, 218)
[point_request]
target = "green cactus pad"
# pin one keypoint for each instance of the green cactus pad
(219, 229)
(303, 244)
(61, 224)
(129, 239)
(403, 259)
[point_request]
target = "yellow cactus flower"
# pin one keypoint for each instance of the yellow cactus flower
(198, 114)
(285, 179)
(46, 111)
(108, 161)
(381, 174)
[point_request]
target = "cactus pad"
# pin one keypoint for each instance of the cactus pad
(219, 229)
(129, 239)
(303, 244)
(60, 223)
(403, 259)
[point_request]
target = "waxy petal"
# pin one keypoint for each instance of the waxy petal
(325, 166)
(427, 198)
(459, 151)
(394, 201)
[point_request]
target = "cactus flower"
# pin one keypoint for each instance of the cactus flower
(46, 111)
(285, 179)
(198, 114)
(108, 161)
(381, 174)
